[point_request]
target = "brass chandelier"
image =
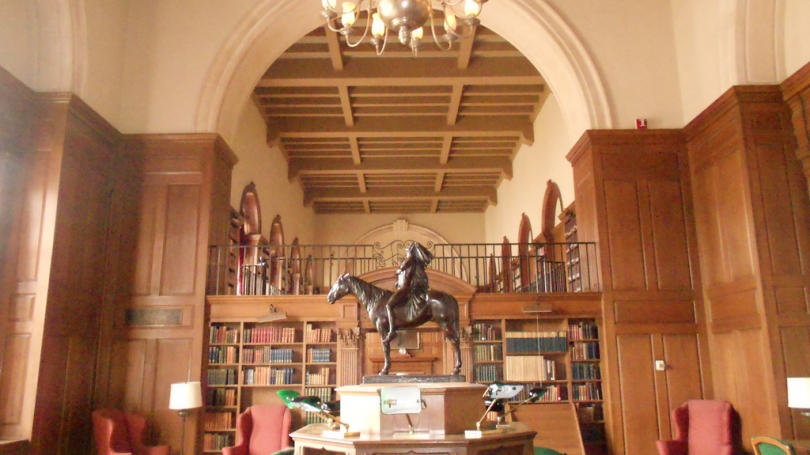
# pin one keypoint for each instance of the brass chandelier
(405, 17)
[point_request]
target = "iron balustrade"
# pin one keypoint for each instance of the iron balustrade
(490, 267)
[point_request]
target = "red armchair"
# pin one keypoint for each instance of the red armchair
(261, 430)
(117, 432)
(702, 427)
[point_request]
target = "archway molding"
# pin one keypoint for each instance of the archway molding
(273, 25)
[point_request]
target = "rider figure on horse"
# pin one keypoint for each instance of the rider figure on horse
(412, 286)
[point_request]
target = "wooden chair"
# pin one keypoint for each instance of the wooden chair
(766, 445)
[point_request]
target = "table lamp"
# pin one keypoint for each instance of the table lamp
(494, 393)
(311, 403)
(403, 400)
(183, 397)
(534, 394)
(799, 394)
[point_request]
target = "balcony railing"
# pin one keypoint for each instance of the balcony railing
(311, 269)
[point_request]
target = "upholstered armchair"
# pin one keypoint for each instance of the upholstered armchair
(261, 430)
(702, 427)
(117, 432)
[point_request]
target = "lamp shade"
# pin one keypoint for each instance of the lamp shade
(798, 393)
(185, 395)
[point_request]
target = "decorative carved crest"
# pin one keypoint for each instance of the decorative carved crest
(349, 337)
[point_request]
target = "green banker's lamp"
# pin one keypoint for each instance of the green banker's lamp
(311, 403)
(496, 395)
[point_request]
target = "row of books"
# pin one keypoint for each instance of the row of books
(220, 397)
(325, 394)
(266, 354)
(316, 355)
(270, 334)
(530, 368)
(217, 441)
(319, 378)
(268, 376)
(485, 332)
(487, 352)
(587, 392)
(488, 373)
(588, 350)
(222, 376)
(223, 334)
(583, 330)
(318, 335)
(218, 420)
(517, 342)
(585, 371)
(222, 354)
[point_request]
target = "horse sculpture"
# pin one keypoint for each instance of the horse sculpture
(441, 308)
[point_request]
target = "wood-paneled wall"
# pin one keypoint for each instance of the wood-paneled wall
(158, 335)
(796, 92)
(752, 218)
(633, 199)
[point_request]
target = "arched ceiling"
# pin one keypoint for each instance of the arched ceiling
(396, 134)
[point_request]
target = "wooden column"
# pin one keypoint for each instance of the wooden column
(633, 199)
(751, 211)
(796, 92)
(160, 327)
(349, 361)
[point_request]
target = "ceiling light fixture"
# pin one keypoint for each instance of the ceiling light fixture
(404, 17)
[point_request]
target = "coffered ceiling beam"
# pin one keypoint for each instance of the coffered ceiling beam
(305, 166)
(361, 182)
(439, 181)
(455, 102)
(334, 49)
(346, 105)
(465, 50)
(392, 194)
(408, 72)
(446, 144)
(355, 150)
(425, 126)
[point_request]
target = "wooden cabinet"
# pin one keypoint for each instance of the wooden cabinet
(248, 362)
(561, 354)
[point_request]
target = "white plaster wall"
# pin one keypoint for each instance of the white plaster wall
(346, 229)
(797, 34)
(697, 41)
(18, 51)
(266, 167)
(632, 44)
(170, 47)
(102, 87)
(533, 166)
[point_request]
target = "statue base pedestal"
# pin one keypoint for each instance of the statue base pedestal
(413, 379)
(450, 408)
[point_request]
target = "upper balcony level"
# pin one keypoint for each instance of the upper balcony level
(268, 269)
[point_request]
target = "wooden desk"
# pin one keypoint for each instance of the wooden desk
(309, 440)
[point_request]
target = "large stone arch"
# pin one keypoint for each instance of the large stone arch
(751, 42)
(531, 25)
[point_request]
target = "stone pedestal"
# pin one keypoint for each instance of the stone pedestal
(450, 408)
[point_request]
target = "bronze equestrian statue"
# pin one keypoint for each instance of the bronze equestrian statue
(412, 305)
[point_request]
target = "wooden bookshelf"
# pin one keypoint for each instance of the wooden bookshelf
(561, 354)
(248, 362)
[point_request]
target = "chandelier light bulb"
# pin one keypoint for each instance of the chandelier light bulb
(377, 25)
(348, 14)
(472, 8)
(450, 22)
(329, 4)
(417, 34)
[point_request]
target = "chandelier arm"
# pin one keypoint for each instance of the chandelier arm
(365, 32)
(336, 30)
(456, 3)
(436, 40)
(385, 41)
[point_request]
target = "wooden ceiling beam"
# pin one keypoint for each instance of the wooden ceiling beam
(361, 182)
(401, 72)
(334, 49)
(439, 181)
(455, 103)
(355, 150)
(305, 166)
(417, 126)
(446, 145)
(465, 50)
(346, 105)
(393, 194)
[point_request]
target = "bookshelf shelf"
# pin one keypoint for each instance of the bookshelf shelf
(248, 361)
